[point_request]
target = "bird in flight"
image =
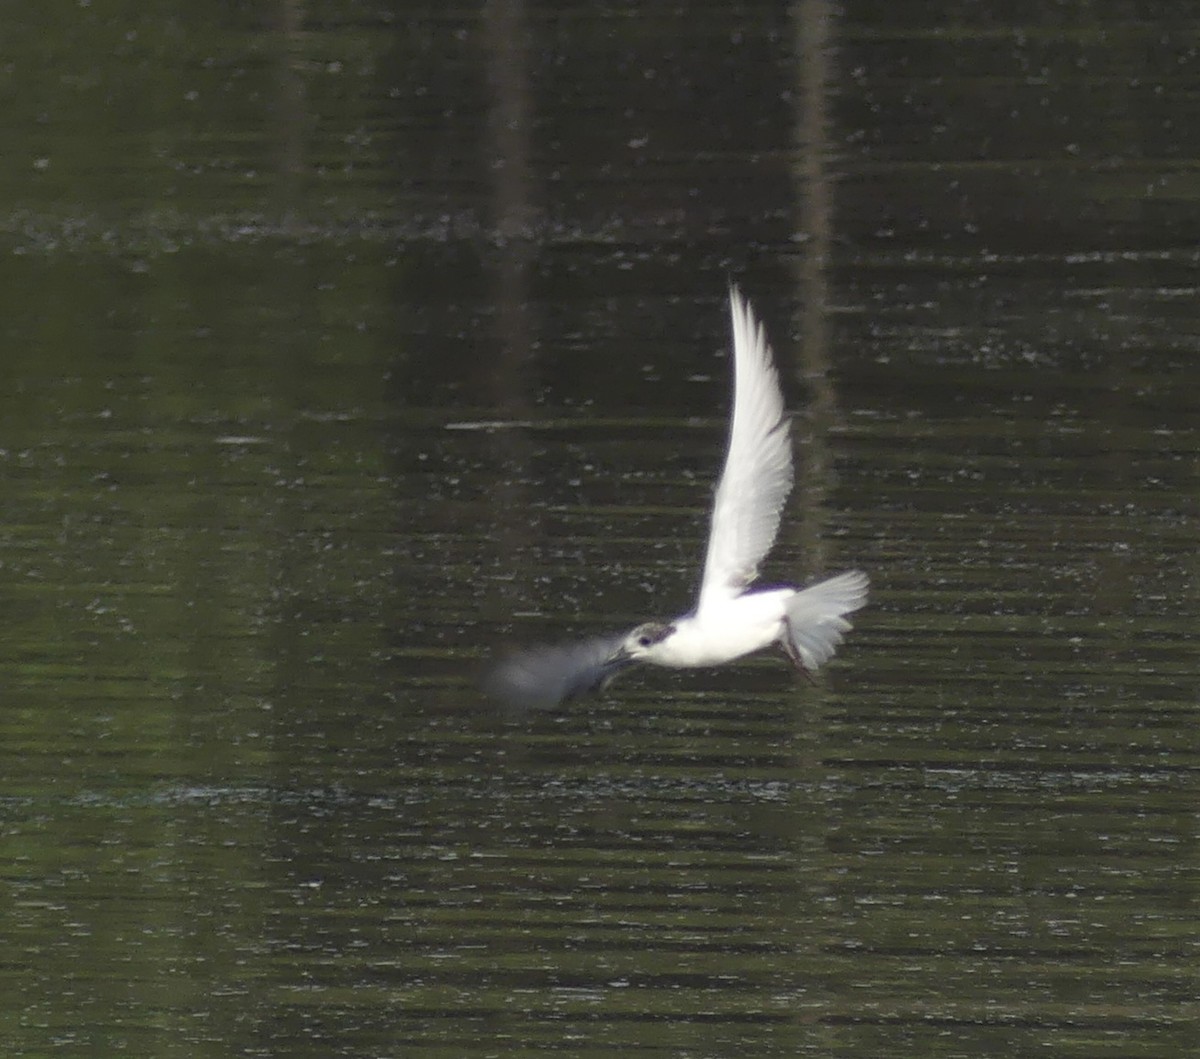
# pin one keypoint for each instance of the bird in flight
(728, 621)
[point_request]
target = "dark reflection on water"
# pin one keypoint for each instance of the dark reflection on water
(341, 354)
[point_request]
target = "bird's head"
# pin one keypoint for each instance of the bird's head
(641, 643)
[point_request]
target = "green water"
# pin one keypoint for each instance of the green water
(346, 345)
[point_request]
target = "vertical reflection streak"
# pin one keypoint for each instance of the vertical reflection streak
(507, 40)
(814, 814)
(813, 21)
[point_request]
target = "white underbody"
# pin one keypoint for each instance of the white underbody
(808, 623)
(722, 633)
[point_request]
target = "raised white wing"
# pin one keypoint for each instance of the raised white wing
(758, 466)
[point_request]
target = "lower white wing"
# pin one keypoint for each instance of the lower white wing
(758, 465)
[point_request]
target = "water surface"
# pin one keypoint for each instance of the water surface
(347, 348)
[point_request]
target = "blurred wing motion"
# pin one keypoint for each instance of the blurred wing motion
(758, 466)
(542, 677)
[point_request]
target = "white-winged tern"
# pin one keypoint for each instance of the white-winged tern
(728, 621)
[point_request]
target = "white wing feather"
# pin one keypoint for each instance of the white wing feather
(816, 619)
(758, 466)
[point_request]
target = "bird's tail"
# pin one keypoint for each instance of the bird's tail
(814, 624)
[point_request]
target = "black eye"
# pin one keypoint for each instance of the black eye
(644, 640)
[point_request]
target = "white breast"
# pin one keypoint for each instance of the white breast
(722, 633)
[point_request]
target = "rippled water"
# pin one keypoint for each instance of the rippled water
(344, 352)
